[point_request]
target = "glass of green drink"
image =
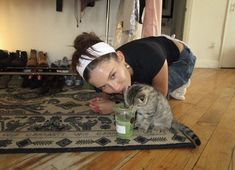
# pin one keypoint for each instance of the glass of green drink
(124, 118)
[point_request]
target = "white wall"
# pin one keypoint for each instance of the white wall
(204, 30)
(35, 24)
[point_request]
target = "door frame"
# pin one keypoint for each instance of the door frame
(187, 20)
(224, 33)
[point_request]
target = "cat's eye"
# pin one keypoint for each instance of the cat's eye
(141, 98)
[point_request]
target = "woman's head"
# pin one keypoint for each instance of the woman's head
(100, 65)
(81, 43)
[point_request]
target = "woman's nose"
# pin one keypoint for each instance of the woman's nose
(115, 86)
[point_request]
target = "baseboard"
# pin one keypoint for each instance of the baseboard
(206, 63)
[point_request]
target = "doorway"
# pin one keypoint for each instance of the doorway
(173, 12)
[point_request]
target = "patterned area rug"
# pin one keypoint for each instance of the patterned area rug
(62, 122)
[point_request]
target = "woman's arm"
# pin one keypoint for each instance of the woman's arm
(102, 104)
(160, 80)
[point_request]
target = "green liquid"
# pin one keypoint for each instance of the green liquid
(124, 129)
(124, 125)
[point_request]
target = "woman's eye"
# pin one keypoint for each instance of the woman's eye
(113, 76)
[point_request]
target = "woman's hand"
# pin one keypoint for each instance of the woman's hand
(102, 105)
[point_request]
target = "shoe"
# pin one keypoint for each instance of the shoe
(56, 64)
(4, 58)
(64, 63)
(32, 60)
(35, 83)
(4, 80)
(42, 59)
(69, 80)
(188, 83)
(52, 85)
(20, 58)
(25, 82)
(180, 92)
(15, 81)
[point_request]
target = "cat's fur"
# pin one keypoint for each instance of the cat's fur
(153, 112)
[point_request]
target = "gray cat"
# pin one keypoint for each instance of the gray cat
(153, 112)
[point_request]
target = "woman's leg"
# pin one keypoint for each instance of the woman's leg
(181, 70)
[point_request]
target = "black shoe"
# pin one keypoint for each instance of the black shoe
(20, 59)
(35, 83)
(13, 56)
(4, 80)
(15, 82)
(26, 82)
(4, 58)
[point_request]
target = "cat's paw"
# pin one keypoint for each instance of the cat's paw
(143, 129)
(158, 130)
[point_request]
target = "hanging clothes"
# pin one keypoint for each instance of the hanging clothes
(127, 19)
(86, 3)
(83, 4)
(142, 6)
(152, 18)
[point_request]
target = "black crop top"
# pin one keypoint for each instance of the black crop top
(146, 56)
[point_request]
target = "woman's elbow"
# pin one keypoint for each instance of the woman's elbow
(163, 90)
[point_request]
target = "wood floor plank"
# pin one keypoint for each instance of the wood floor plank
(218, 108)
(218, 153)
(109, 160)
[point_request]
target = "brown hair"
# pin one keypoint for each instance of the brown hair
(81, 43)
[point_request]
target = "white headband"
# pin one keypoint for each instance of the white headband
(96, 50)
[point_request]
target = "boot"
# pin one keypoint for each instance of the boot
(42, 59)
(20, 59)
(23, 58)
(4, 58)
(32, 60)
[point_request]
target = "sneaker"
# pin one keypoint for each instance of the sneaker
(56, 64)
(68, 80)
(64, 63)
(180, 92)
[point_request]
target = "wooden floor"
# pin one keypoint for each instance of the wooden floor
(209, 109)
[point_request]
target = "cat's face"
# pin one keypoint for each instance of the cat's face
(137, 95)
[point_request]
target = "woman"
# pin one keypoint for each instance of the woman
(163, 62)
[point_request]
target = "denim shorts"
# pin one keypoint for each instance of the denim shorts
(180, 71)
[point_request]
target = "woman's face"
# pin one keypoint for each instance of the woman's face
(111, 76)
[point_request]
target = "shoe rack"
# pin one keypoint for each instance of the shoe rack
(19, 63)
(35, 71)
